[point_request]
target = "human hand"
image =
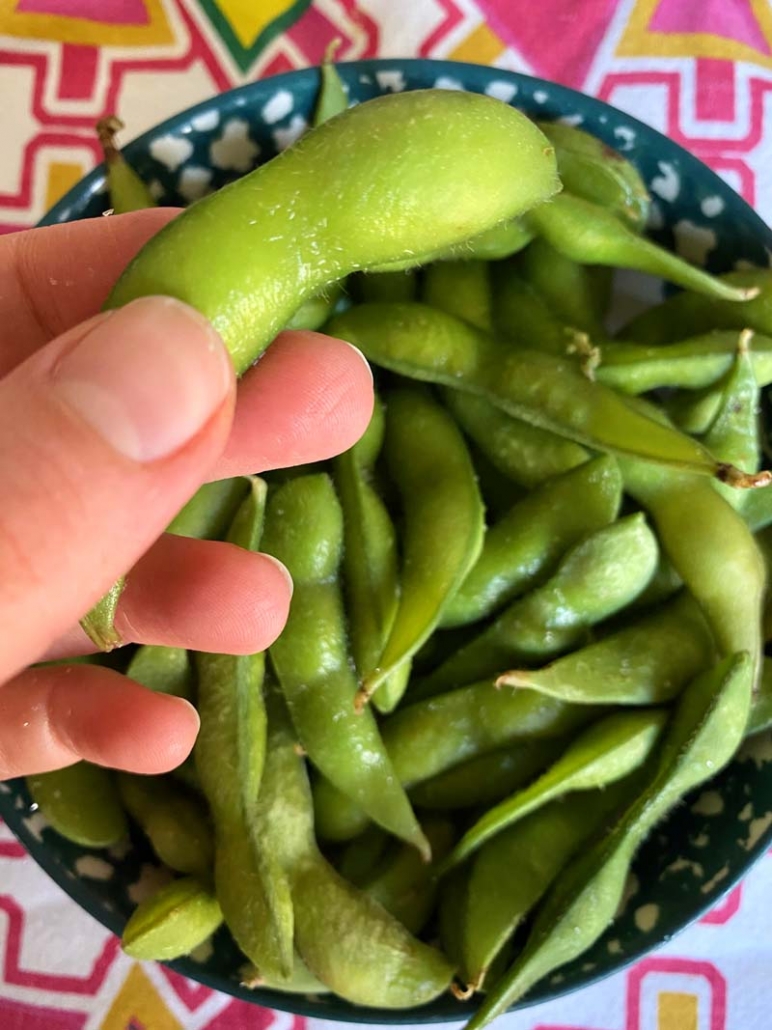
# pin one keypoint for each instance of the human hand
(109, 424)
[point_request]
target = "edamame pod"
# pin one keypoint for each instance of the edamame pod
(647, 663)
(421, 343)
(304, 529)
(734, 434)
(703, 735)
(332, 98)
(172, 922)
(525, 454)
(404, 884)
(397, 177)
(593, 235)
(361, 857)
(761, 706)
(166, 670)
(486, 779)
(383, 287)
(462, 288)
(347, 940)
(526, 543)
(607, 752)
(598, 577)
(230, 755)
(173, 820)
(211, 510)
(444, 521)
(369, 560)
(569, 289)
(686, 314)
(82, 803)
(521, 314)
(127, 191)
(595, 171)
(694, 363)
(536, 849)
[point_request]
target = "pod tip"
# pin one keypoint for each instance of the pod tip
(107, 128)
(742, 480)
(461, 992)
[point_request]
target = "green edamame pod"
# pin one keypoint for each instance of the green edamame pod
(694, 363)
(734, 435)
(172, 922)
(444, 520)
(757, 510)
(525, 454)
(230, 755)
(486, 779)
(604, 753)
(703, 735)
(166, 670)
(494, 244)
(347, 940)
(336, 816)
(647, 663)
(593, 235)
(421, 343)
(404, 884)
(304, 529)
(662, 586)
(127, 191)
(453, 893)
(300, 981)
(332, 98)
(521, 314)
(462, 288)
(369, 560)
(427, 738)
(569, 289)
(537, 848)
(693, 411)
(527, 543)
(498, 491)
(710, 547)
(398, 178)
(687, 314)
(173, 820)
(761, 706)
(595, 171)
(82, 803)
(314, 312)
(599, 576)
(211, 510)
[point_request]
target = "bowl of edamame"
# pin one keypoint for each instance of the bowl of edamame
(516, 731)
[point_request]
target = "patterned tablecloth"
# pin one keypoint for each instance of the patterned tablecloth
(699, 70)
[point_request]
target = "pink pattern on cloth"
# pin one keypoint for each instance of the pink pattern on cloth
(732, 19)
(114, 12)
(549, 35)
(15, 1015)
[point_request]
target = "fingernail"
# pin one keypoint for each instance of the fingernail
(148, 378)
(359, 353)
(283, 569)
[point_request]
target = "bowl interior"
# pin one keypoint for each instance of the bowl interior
(710, 840)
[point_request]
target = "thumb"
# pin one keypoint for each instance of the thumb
(106, 433)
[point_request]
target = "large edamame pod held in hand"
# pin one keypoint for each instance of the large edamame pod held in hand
(127, 191)
(592, 235)
(421, 343)
(702, 737)
(608, 751)
(304, 529)
(527, 542)
(230, 755)
(444, 520)
(172, 922)
(596, 578)
(82, 803)
(526, 455)
(647, 663)
(686, 314)
(595, 171)
(398, 177)
(369, 560)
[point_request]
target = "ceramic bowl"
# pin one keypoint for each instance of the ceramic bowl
(709, 841)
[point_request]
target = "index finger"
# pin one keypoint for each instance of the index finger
(53, 278)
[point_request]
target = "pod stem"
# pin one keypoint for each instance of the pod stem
(107, 129)
(742, 480)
